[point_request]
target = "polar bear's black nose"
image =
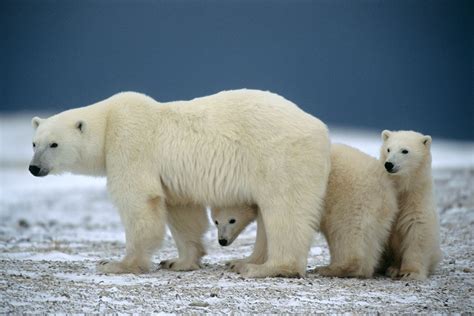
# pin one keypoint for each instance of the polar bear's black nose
(389, 166)
(223, 242)
(35, 170)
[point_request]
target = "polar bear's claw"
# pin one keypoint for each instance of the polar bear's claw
(177, 265)
(411, 275)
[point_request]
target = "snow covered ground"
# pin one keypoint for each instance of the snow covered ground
(53, 230)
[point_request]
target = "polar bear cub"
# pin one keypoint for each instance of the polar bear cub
(230, 222)
(414, 249)
(166, 162)
(359, 209)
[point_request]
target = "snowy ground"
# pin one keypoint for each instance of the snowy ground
(53, 230)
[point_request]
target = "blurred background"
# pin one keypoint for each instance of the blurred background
(364, 64)
(359, 65)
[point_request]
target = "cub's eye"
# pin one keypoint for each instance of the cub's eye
(34, 145)
(404, 151)
(217, 223)
(388, 149)
(53, 145)
(232, 221)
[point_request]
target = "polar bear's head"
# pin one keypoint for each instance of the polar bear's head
(404, 152)
(56, 144)
(231, 221)
(65, 142)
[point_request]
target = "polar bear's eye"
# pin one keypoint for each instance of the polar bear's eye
(388, 149)
(232, 221)
(217, 223)
(34, 145)
(53, 145)
(404, 151)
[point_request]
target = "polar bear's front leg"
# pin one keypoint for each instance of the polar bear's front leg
(144, 218)
(187, 224)
(259, 254)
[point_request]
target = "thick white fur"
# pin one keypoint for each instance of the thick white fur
(414, 243)
(239, 147)
(360, 207)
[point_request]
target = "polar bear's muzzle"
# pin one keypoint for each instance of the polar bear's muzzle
(37, 171)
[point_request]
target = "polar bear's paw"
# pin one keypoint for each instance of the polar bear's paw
(250, 270)
(236, 265)
(179, 265)
(121, 267)
(349, 270)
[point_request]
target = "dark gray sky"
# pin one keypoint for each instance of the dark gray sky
(401, 64)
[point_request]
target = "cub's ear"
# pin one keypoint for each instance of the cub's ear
(36, 121)
(426, 140)
(385, 135)
(80, 125)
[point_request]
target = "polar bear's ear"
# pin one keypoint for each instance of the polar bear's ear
(80, 125)
(35, 122)
(427, 140)
(385, 135)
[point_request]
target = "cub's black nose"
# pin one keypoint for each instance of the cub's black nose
(34, 170)
(223, 242)
(389, 166)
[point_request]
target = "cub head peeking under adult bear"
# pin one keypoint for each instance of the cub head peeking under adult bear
(231, 221)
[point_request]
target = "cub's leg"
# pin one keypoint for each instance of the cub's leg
(393, 255)
(187, 224)
(346, 241)
(413, 262)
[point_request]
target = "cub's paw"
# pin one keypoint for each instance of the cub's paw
(179, 265)
(119, 267)
(392, 272)
(411, 275)
(326, 271)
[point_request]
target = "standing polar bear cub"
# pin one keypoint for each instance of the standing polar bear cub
(414, 250)
(168, 161)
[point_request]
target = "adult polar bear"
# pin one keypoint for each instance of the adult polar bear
(173, 159)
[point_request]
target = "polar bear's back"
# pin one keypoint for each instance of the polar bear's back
(224, 148)
(261, 114)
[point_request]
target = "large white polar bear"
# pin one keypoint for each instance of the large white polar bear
(414, 249)
(173, 159)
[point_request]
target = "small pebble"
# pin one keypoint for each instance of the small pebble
(467, 270)
(23, 223)
(199, 304)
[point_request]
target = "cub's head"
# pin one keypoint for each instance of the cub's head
(57, 144)
(403, 152)
(231, 221)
